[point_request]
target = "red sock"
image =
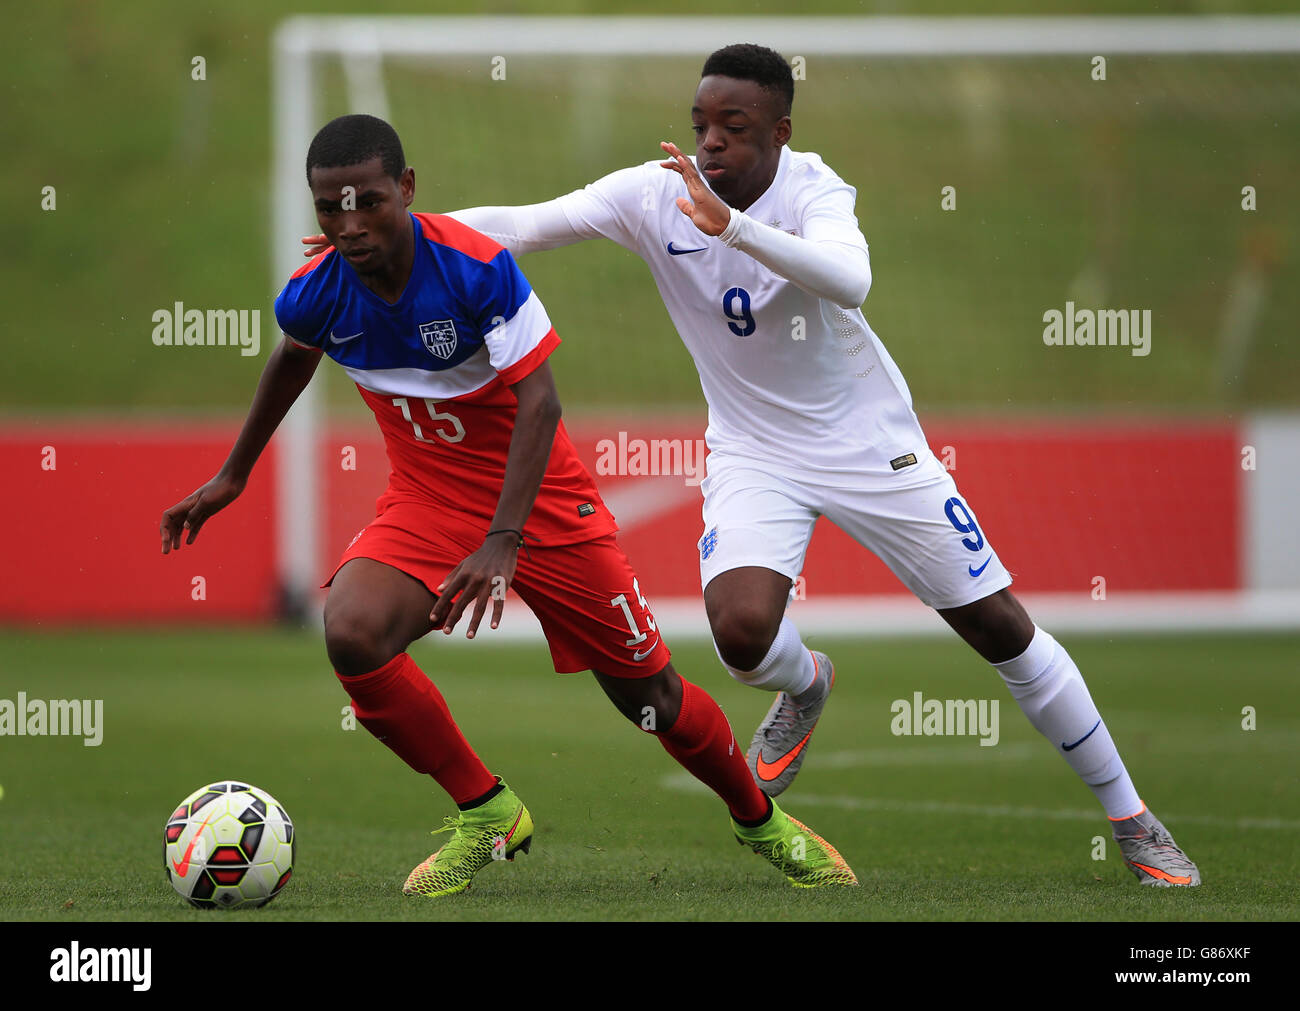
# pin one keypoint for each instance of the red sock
(702, 742)
(402, 707)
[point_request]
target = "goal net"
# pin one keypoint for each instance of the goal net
(1005, 168)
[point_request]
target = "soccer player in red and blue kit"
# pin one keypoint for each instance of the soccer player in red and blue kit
(448, 345)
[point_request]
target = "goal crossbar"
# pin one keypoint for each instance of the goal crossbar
(363, 43)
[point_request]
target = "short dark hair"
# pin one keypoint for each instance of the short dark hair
(351, 140)
(765, 67)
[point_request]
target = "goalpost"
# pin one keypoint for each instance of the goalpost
(366, 47)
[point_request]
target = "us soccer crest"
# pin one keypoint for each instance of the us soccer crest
(439, 337)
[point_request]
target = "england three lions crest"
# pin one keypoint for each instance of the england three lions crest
(439, 337)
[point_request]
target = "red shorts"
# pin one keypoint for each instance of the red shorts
(585, 595)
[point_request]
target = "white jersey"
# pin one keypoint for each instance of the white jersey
(792, 380)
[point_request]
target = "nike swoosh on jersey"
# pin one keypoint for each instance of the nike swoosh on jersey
(641, 656)
(1071, 747)
(344, 340)
(974, 571)
(683, 252)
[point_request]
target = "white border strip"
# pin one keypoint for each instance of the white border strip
(684, 782)
(683, 619)
(1270, 553)
(831, 36)
(365, 41)
(297, 471)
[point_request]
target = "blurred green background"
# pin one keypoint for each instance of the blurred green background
(1119, 194)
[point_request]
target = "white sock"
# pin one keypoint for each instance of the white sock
(788, 666)
(1048, 687)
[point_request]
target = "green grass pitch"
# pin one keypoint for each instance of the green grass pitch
(936, 827)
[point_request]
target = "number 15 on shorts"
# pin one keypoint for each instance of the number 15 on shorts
(638, 636)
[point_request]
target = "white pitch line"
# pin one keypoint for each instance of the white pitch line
(684, 782)
(950, 754)
(890, 615)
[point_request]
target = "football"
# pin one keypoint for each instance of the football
(229, 845)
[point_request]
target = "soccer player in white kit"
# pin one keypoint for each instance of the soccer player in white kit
(760, 261)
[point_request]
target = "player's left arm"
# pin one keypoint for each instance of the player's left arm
(486, 574)
(829, 260)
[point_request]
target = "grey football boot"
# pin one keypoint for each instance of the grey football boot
(781, 741)
(1151, 853)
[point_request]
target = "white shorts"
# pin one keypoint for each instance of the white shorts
(926, 534)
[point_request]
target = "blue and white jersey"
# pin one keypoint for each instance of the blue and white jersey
(436, 368)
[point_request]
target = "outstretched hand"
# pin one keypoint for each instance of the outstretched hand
(194, 510)
(316, 244)
(485, 575)
(708, 213)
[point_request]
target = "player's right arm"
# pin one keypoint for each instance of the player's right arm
(528, 228)
(288, 371)
(612, 207)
